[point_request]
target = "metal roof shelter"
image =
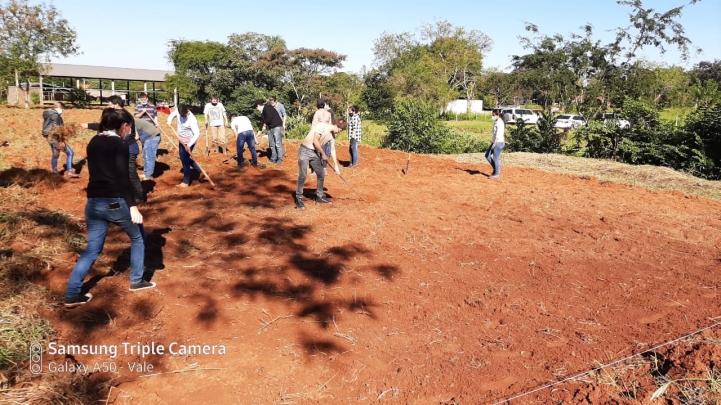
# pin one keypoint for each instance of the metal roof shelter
(108, 73)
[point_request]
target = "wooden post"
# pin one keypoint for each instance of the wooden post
(77, 83)
(175, 97)
(112, 87)
(101, 90)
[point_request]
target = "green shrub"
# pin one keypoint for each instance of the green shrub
(541, 138)
(79, 97)
(296, 127)
(650, 141)
(35, 98)
(704, 127)
(415, 127)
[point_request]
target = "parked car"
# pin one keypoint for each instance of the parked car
(511, 115)
(567, 121)
(611, 117)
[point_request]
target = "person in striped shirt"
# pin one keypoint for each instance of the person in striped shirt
(144, 110)
(355, 134)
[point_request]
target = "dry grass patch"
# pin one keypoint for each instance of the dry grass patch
(651, 177)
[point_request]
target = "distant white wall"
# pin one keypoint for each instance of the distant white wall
(461, 106)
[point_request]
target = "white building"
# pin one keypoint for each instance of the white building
(461, 106)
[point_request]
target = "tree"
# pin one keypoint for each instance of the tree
(377, 95)
(707, 71)
(343, 90)
(461, 54)
(582, 70)
(196, 64)
(30, 35)
(306, 70)
(444, 62)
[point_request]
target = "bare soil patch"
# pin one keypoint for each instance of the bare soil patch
(444, 287)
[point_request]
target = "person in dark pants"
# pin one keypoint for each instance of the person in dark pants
(355, 134)
(110, 201)
(271, 120)
(311, 153)
(131, 141)
(493, 154)
(245, 135)
(189, 133)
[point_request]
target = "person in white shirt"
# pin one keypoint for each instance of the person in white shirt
(493, 154)
(242, 127)
(188, 132)
(216, 119)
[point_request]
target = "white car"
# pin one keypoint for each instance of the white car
(611, 117)
(568, 121)
(511, 115)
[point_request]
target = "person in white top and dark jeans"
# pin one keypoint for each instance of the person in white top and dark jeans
(493, 154)
(189, 133)
(246, 135)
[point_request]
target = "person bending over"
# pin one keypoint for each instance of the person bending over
(311, 153)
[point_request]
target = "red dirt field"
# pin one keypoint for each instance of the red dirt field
(442, 287)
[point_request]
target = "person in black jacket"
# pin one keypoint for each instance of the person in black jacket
(271, 119)
(110, 201)
(52, 119)
(131, 141)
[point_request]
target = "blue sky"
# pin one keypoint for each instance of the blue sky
(136, 34)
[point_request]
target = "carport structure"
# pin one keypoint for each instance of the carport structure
(112, 74)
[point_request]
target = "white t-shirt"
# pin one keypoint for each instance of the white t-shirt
(215, 114)
(499, 129)
(241, 124)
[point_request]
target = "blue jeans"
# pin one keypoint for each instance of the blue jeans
(249, 138)
(188, 163)
(56, 154)
(494, 156)
(326, 149)
(275, 141)
(353, 149)
(150, 150)
(98, 216)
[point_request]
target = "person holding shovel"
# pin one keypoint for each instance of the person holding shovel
(110, 201)
(323, 115)
(240, 124)
(52, 119)
(312, 153)
(216, 119)
(188, 132)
